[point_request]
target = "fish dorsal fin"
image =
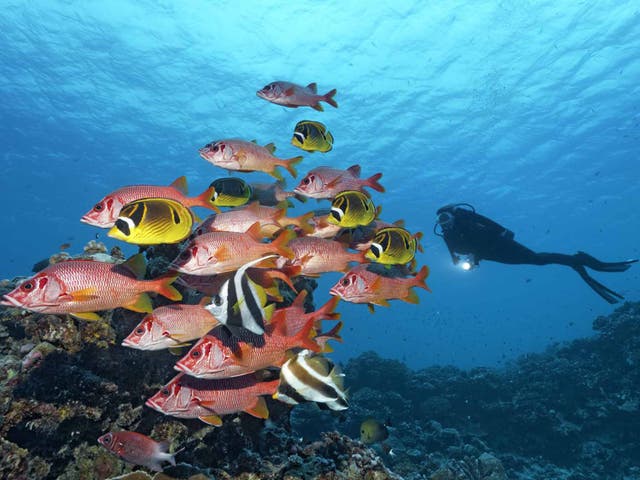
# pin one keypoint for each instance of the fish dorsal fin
(180, 184)
(399, 223)
(259, 410)
(254, 141)
(136, 265)
(338, 377)
(313, 87)
(254, 232)
(354, 170)
(319, 364)
(271, 147)
(300, 299)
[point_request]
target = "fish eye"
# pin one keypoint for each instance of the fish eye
(107, 438)
(165, 392)
(195, 353)
(215, 148)
(217, 301)
(27, 286)
(139, 331)
(98, 207)
(345, 282)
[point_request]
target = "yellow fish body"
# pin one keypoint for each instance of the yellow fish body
(312, 136)
(393, 246)
(152, 221)
(231, 192)
(351, 209)
(373, 431)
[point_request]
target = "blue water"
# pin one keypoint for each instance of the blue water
(528, 110)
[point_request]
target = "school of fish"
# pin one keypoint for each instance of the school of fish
(235, 346)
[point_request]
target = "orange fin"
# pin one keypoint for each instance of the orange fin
(279, 245)
(298, 302)
(142, 304)
(180, 184)
(254, 231)
(259, 410)
(420, 279)
(205, 199)
(313, 87)
(327, 311)
(303, 338)
(412, 297)
(162, 286)
(328, 97)
(223, 253)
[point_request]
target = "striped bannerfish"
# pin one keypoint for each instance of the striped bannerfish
(311, 378)
(241, 303)
(151, 221)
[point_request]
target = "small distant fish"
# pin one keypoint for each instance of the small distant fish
(393, 246)
(138, 449)
(64, 246)
(241, 303)
(171, 326)
(291, 95)
(373, 431)
(82, 287)
(152, 221)
(312, 136)
(327, 182)
(312, 378)
(351, 209)
(231, 192)
(361, 285)
(243, 156)
(106, 211)
(190, 397)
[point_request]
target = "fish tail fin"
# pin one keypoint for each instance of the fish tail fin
(327, 311)
(302, 222)
(328, 97)
(290, 164)
(163, 452)
(282, 276)
(303, 338)
(420, 279)
(323, 338)
(279, 245)
(205, 199)
(162, 286)
(372, 182)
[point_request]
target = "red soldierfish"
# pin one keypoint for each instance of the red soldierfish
(136, 448)
(190, 397)
(171, 326)
(326, 182)
(360, 285)
(81, 287)
(243, 156)
(271, 220)
(315, 255)
(295, 317)
(216, 355)
(105, 213)
(291, 95)
(220, 252)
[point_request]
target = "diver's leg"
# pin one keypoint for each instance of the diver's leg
(588, 261)
(606, 293)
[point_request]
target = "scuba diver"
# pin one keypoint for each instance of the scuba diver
(479, 238)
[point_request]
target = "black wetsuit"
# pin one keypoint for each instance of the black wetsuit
(469, 233)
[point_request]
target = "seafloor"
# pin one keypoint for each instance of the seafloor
(572, 412)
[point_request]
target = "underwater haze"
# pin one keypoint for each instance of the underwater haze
(528, 110)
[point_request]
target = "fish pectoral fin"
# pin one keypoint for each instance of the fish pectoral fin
(91, 316)
(214, 420)
(259, 410)
(223, 254)
(83, 295)
(142, 304)
(289, 91)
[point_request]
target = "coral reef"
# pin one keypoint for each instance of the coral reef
(564, 414)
